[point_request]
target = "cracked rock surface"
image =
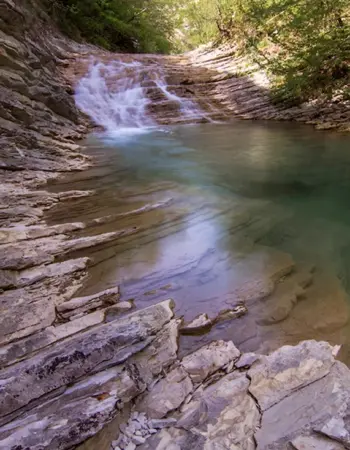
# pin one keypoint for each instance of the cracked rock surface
(233, 408)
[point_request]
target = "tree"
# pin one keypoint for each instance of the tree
(303, 44)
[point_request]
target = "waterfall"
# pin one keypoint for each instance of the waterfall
(112, 95)
(117, 94)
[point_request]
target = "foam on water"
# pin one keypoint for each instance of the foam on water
(111, 94)
(114, 95)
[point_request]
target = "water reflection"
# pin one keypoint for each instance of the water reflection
(252, 211)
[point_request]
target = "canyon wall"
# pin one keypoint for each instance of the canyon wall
(66, 370)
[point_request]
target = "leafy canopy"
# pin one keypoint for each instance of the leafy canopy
(304, 44)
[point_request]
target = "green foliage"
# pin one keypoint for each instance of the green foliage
(127, 25)
(304, 44)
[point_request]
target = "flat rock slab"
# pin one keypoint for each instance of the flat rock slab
(209, 359)
(288, 369)
(78, 413)
(167, 394)
(199, 325)
(223, 416)
(94, 350)
(318, 409)
(315, 442)
(159, 354)
(84, 304)
(22, 348)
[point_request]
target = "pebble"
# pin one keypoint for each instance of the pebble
(138, 429)
(137, 425)
(142, 421)
(130, 446)
(138, 440)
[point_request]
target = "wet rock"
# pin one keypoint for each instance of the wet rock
(120, 308)
(208, 359)
(288, 369)
(286, 295)
(232, 313)
(84, 304)
(200, 324)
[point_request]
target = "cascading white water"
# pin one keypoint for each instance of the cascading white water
(114, 95)
(188, 109)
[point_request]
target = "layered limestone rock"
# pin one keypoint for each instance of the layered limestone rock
(297, 397)
(213, 398)
(242, 89)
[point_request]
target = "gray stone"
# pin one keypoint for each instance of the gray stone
(138, 440)
(246, 360)
(230, 314)
(115, 311)
(162, 423)
(130, 446)
(89, 352)
(72, 416)
(209, 359)
(224, 414)
(166, 395)
(154, 359)
(315, 442)
(85, 304)
(288, 369)
(23, 348)
(338, 429)
(322, 404)
(200, 324)
(174, 439)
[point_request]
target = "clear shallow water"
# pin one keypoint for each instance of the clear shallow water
(238, 205)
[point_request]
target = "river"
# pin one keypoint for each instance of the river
(216, 214)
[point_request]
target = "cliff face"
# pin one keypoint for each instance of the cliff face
(243, 91)
(38, 119)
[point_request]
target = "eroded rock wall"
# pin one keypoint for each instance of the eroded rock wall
(39, 122)
(243, 91)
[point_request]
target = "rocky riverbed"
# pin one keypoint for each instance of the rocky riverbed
(75, 365)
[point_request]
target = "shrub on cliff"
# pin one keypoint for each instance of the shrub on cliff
(118, 25)
(304, 44)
